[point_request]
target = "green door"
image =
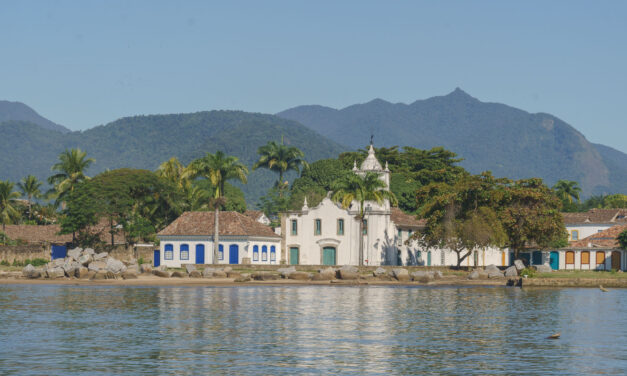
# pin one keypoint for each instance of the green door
(429, 258)
(328, 256)
(294, 256)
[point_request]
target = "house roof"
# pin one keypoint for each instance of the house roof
(603, 239)
(202, 224)
(403, 220)
(254, 214)
(597, 216)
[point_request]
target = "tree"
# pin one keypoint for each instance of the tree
(568, 191)
(616, 201)
(8, 196)
(622, 239)
(30, 187)
(71, 171)
(461, 217)
(280, 158)
(218, 168)
(361, 188)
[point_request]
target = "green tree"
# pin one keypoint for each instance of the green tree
(360, 188)
(70, 172)
(616, 201)
(280, 158)
(8, 197)
(568, 191)
(218, 168)
(30, 187)
(622, 239)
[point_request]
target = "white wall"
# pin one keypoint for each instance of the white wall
(585, 230)
(607, 265)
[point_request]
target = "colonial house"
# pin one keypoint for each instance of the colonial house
(243, 240)
(328, 234)
(600, 251)
(583, 225)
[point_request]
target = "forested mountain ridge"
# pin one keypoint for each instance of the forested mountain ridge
(17, 111)
(489, 136)
(147, 141)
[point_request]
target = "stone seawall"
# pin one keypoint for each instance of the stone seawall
(12, 253)
(574, 282)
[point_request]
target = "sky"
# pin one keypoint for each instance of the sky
(86, 63)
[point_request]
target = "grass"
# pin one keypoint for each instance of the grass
(589, 274)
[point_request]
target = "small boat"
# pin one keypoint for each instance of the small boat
(603, 288)
(554, 336)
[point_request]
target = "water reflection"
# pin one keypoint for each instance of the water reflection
(310, 330)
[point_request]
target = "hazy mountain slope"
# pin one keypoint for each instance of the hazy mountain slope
(18, 111)
(489, 136)
(616, 162)
(147, 141)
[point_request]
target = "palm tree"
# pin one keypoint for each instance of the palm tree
(361, 188)
(71, 171)
(172, 170)
(567, 190)
(280, 158)
(8, 196)
(218, 168)
(29, 186)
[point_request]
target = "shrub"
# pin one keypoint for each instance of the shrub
(140, 261)
(17, 263)
(529, 272)
(5, 263)
(35, 262)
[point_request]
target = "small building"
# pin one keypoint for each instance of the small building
(258, 216)
(583, 225)
(243, 240)
(600, 251)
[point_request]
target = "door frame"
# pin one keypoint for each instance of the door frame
(334, 254)
(297, 256)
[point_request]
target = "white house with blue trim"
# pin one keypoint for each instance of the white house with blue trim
(243, 240)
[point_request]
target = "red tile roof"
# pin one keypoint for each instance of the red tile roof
(254, 214)
(597, 216)
(403, 220)
(231, 223)
(603, 239)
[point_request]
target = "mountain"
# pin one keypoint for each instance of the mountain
(20, 112)
(489, 136)
(147, 141)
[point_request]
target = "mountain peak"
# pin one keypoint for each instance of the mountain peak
(18, 111)
(459, 94)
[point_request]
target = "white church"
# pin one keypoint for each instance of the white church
(329, 235)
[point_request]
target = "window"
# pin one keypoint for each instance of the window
(574, 235)
(221, 252)
(294, 227)
(256, 253)
(184, 252)
(585, 257)
(317, 227)
(570, 257)
(409, 234)
(400, 234)
(365, 226)
(600, 257)
(168, 252)
(272, 253)
(264, 253)
(340, 227)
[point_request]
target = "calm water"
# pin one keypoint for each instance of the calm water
(58, 330)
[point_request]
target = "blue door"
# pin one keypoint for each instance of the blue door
(58, 251)
(554, 260)
(156, 258)
(200, 253)
(233, 254)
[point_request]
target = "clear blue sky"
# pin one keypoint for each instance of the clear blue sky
(86, 63)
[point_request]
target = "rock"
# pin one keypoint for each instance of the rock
(56, 272)
(134, 268)
(438, 274)
(56, 263)
(511, 271)
(70, 266)
(285, 272)
(75, 253)
(190, 268)
(90, 275)
(323, 276)
(163, 268)
(227, 269)
(243, 278)
(99, 275)
(347, 274)
(115, 266)
(473, 275)
(485, 274)
(178, 274)
(379, 271)
(491, 267)
(195, 274)
(208, 272)
(401, 275)
(264, 276)
(350, 268)
(519, 264)
(233, 274)
(110, 274)
(30, 272)
(422, 276)
(97, 265)
(546, 268)
(129, 275)
(219, 274)
(161, 273)
(385, 277)
(85, 259)
(81, 272)
(145, 268)
(496, 274)
(300, 276)
(100, 256)
(89, 251)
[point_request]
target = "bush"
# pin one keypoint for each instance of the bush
(529, 272)
(35, 262)
(5, 263)
(140, 261)
(17, 263)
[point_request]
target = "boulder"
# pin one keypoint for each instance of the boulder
(300, 276)
(145, 268)
(90, 275)
(161, 273)
(519, 264)
(99, 275)
(233, 274)
(546, 268)
(208, 272)
(323, 276)
(70, 267)
(485, 274)
(422, 276)
(30, 272)
(75, 253)
(109, 274)
(190, 268)
(264, 276)
(227, 269)
(56, 263)
(97, 265)
(473, 275)
(195, 274)
(285, 272)
(243, 278)
(491, 267)
(438, 274)
(347, 273)
(56, 272)
(495, 274)
(100, 256)
(401, 275)
(219, 274)
(134, 268)
(129, 275)
(85, 259)
(385, 277)
(511, 271)
(178, 274)
(81, 272)
(163, 268)
(379, 271)
(115, 266)
(89, 251)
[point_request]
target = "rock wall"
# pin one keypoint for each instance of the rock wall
(11, 253)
